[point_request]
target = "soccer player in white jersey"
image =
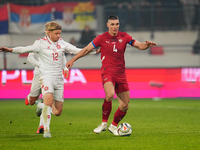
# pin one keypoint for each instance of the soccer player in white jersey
(50, 51)
(36, 88)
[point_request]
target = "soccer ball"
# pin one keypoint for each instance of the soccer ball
(124, 129)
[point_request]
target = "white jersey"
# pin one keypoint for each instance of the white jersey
(50, 54)
(33, 59)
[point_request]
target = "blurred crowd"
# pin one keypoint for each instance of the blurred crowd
(162, 14)
(142, 14)
(86, 36)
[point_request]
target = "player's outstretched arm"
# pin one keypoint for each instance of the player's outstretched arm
(144, 45)
(82, 53)
(6, 49)
(27, 49)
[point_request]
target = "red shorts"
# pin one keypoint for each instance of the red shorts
(119, 81)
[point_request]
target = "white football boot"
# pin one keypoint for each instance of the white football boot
(47, 134)
(101, 127)
(38, 110)
(113, 129)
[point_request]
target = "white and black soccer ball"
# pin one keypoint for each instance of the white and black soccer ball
(124, 129)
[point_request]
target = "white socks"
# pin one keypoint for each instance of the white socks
(46, 114)
(40, 105)
(41, 121)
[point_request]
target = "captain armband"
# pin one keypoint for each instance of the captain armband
(132, 42)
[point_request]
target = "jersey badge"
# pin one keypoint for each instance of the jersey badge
(46, 88)
(120, 40)
(58, 46)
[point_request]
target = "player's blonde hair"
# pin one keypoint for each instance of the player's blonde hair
(51, 26)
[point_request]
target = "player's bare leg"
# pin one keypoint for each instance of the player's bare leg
(123, 98)
(106, 107)
(46, 113)
(109, 91)
(57, 108)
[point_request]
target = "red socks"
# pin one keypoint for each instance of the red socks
(119, 115)
(106, 109)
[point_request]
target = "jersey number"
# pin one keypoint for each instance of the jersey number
(114, 48)
(55, 56)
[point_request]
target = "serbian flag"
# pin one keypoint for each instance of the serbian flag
(4, 20)
(75, 15)
(29, 19)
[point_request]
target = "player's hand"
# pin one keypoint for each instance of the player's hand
(5, 49)
(150, 43)
(66, 73)
(98, 50)
(69, 64)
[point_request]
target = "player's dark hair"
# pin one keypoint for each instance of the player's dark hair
(112, 17)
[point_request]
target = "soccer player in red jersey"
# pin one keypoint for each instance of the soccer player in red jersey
(113, 44)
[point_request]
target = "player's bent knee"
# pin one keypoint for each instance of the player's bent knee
(58, 113)
(124, 107)
(109, 96)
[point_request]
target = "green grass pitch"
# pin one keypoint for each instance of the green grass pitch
(169, 124)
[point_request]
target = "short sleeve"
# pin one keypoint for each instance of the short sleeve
(97, 41)
(129, 39)
(69, 48)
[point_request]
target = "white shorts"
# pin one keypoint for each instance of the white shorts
(53, 85)
(35, 86)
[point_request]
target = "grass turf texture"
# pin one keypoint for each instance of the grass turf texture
(169, 124)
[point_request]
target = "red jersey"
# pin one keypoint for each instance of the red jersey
(112, 50)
